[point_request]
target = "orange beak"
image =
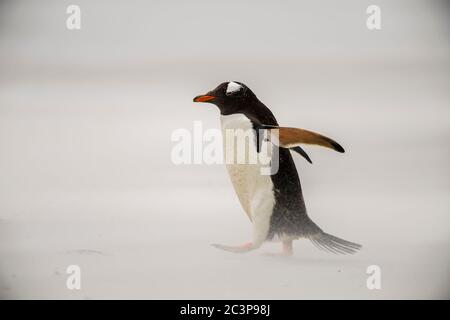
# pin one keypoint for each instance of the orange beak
(203, 98)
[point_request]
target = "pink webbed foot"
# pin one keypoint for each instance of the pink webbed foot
(236, 249)
(287, 250)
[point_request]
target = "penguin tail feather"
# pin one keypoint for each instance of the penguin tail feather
(330, 243)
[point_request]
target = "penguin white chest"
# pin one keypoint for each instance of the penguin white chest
(254, 189)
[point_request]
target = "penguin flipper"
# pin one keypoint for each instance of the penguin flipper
(259, 136)
(301, 152)
(293, 137)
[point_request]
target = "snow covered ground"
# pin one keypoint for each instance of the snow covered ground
(141, 248)
(86, 176)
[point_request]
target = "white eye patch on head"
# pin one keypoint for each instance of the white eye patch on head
(233, 87)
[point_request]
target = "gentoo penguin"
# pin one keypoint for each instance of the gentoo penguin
(273, 202)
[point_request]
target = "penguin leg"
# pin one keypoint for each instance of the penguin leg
(259, 235)
(248, 246)
(287, 250)
(260, 217)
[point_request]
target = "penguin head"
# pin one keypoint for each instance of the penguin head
(230, 97)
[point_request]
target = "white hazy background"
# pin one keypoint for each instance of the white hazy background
(86, 118)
